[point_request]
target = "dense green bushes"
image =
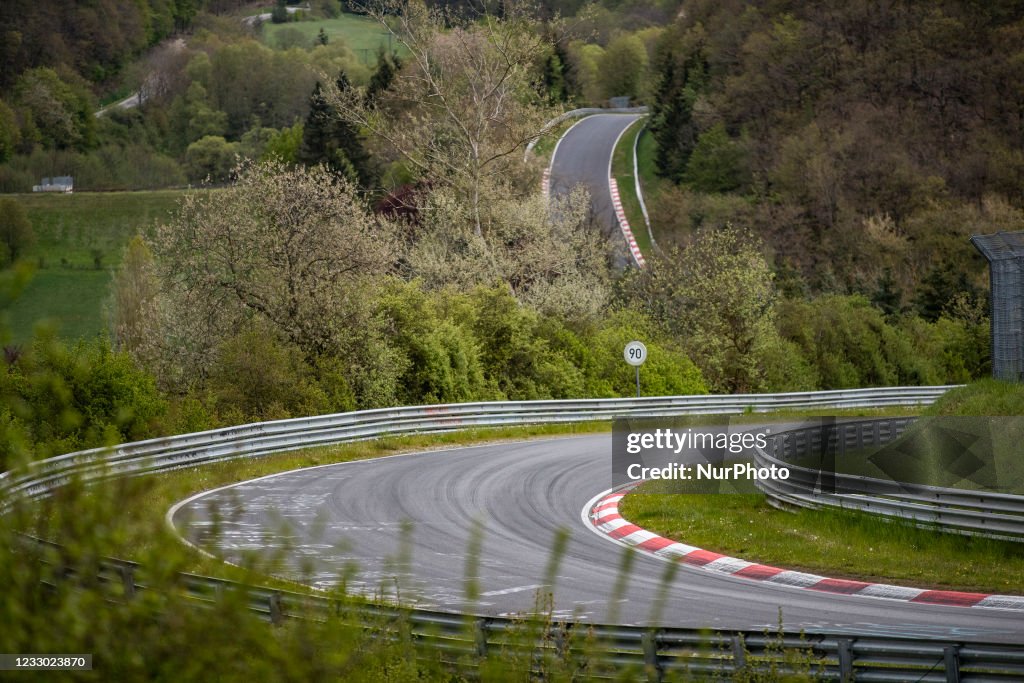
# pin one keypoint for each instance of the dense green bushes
(719, 299)
(485, 345)
(55, 399)
(439, 347)
(443, 347)
(849, 343)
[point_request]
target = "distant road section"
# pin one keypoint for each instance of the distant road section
(582, 158)
(151, 83)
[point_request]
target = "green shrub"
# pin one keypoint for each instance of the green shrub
(849, 343)
(258, 377)
(443, 359)
(59, 399)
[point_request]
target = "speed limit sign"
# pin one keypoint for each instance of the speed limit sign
(635, 353)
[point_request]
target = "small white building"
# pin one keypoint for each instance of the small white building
(63, 183)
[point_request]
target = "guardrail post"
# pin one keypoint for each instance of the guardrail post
(845, 652)
(649, 642)
(951, 653)
(739, 653)
(128, 581)
(480, 636)
(563, 639)
(276, 613)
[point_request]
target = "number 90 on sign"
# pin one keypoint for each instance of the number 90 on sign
(635, 353)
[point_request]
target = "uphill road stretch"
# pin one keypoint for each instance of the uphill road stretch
(582, 158)
(316, 522)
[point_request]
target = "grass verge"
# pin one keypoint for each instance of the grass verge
(653, 185)
(545, 147)
(982, 420)
(622, 169)
(834, 543)
(982, 398)
(79, 238)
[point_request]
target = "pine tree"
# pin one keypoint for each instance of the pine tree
(350, 143)
(569, 86)
(672, 114)
(387, 67)
(279, 15)
(329, 140)
(554, 79)
(321, 37)
(316, 132)
(887, 296)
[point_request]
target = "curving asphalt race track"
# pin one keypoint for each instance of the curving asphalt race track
(319, 520)
(581, 158)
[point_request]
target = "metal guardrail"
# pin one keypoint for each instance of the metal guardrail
(659, 652)
(164, 454)
(998, 515)
(579, 113)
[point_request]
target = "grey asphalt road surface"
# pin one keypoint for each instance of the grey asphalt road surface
(312, 525)
(582, 159)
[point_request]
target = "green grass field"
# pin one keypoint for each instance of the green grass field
(833, 543)
(70, 301)
(362, 35)
(622, 169)
(79, 238)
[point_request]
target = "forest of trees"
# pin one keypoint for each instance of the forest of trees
(864, 141)
(382, 241)
(211, 90)
(374, 238)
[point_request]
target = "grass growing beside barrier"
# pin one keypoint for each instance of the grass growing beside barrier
(545, 146)
(981, 398)
(622, 170)
(835, 543)
(984, 417)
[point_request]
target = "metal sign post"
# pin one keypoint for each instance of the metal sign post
(635, 354)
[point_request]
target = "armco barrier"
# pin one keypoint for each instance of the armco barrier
(576, 114)
(253, 440)
(998, 515)
(659, 650)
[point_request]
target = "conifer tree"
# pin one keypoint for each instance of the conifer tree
(387, 67)
(329, 140)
